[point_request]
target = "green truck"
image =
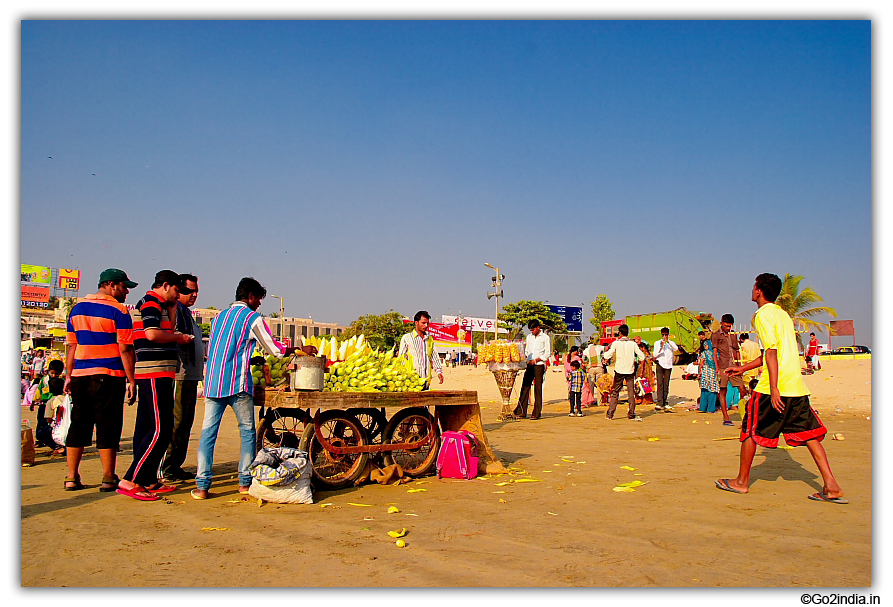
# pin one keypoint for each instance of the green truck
(683, 324)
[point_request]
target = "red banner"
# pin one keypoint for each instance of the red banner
(36, 294)
(448, 335)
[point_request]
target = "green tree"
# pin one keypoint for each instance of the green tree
(799, 305)
(206, 329)
(382, 331)
(602, 310)
(53, 302)
(515, 316)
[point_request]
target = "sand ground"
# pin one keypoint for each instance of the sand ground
(569, 529)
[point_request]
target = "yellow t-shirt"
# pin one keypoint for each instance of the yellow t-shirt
(749, 351)
(776, 331)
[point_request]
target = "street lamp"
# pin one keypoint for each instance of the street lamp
(497, 284)
(281, 315)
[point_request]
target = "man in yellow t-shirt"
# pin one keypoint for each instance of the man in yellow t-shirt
(780, 403)
(749, 351)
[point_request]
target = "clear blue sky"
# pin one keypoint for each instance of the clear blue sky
(355, 167)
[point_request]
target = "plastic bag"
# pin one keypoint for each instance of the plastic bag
(62, 420)
(281, 475)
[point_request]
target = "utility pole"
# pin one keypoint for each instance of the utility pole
(497, 284)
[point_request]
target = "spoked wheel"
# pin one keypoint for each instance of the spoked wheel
(341, 429)
(373, 421)
(279, 423)
(407, 426)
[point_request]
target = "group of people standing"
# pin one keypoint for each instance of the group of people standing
(155, 356)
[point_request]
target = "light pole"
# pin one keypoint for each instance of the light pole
(281, 316)
(497, 284)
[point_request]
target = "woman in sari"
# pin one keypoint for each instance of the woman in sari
(707, 375)
(645, 377)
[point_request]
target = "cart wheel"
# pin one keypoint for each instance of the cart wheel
(278, 423)
(373, 421)
(342, 430)
(409, 425)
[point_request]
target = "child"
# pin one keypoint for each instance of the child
(575, 382)
(51, 385)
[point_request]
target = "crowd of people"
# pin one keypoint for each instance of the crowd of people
(154, 356)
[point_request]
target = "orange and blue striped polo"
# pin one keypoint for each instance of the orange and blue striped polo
(96, 325)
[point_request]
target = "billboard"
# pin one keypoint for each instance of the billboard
(470, 323)
(35, 297)
(571, 315)
(69, 279)
(38, 274)
(448, 336)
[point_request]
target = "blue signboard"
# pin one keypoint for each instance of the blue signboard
(571, 315)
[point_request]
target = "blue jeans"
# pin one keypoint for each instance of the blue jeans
(243, 406)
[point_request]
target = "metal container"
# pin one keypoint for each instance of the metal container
(308, 373)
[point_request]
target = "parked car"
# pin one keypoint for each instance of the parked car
(848, 350)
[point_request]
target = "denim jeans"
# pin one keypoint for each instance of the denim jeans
(243, 406)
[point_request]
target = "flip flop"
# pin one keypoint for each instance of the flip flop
(161, 488)
(136, 494)
(197, 497)
(728, 423)
(821, 497)
(723, 484)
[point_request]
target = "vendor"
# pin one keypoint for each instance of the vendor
(420, 348)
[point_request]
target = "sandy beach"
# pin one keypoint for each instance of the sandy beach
(568, 529)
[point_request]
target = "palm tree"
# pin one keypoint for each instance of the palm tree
(799, 305)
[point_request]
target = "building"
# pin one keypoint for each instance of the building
(286, 329)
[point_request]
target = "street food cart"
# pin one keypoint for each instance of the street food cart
(341, 431)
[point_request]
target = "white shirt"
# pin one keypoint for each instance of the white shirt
(627, 352)
(593, 352)
(538, 346)
(663, 354)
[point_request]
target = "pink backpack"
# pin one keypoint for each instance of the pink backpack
(458, 456)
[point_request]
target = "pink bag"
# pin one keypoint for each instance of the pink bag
(458, 457)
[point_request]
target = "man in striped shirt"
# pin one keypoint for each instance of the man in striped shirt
(100, 375)
(420, 348)
(155, 342)
(234, 333)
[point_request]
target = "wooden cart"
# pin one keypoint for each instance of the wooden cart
(341, 431)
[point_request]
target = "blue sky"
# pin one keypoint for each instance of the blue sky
(355, 167)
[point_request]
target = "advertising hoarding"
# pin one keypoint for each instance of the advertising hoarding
(35, 274)
(69, 279)
(571, 315)
(470, 323)
(35, 297)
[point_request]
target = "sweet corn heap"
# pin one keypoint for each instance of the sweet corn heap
(278, 370)
(501, 351)
(361, 368)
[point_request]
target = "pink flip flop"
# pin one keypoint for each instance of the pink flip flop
(161, 488)
(136, 494)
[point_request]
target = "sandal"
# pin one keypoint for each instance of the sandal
(160, 488)
(77, 484)
(138, 494)
(109, 484)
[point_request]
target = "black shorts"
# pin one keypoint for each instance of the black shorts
(799, 423)
(96, 400)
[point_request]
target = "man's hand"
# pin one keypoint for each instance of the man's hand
(183, 338)
(777, 403)
(732, 371)
(130, 393)
(311, 350)
(66, 387)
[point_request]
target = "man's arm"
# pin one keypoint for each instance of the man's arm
(128, 359)
(69, 367)
(672, 345)
(772, 369)
(757, 362)
(435, 364)
(404, 346)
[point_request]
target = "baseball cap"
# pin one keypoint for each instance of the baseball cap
(114, 274)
